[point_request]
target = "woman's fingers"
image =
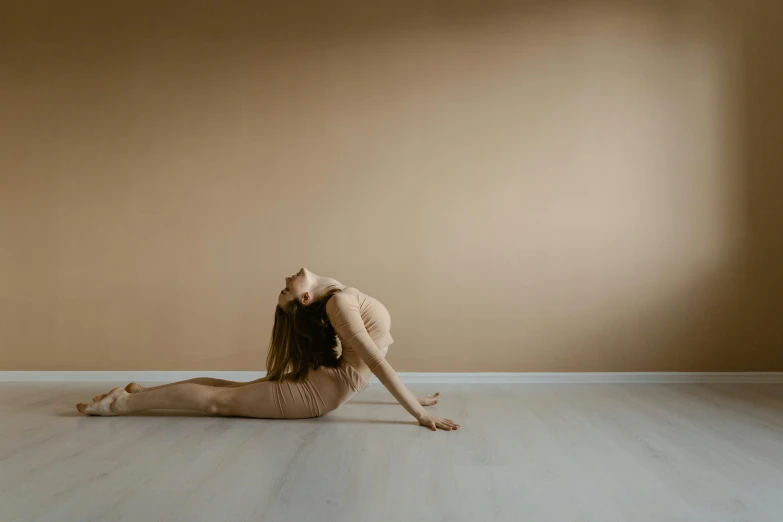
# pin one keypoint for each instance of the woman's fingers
(436, 423)
(448, 425)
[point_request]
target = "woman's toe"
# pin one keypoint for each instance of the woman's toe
(134, 388)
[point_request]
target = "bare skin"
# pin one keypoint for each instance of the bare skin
(241, 399)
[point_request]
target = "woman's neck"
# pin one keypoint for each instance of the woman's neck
(322, 284)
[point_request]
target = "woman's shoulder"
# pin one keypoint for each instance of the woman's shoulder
(343, 298)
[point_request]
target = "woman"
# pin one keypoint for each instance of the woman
(305, 376)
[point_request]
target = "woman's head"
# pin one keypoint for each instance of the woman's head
(298, 287)
(302, 336)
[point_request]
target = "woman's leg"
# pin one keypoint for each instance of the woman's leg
(207, 381)
(263, 400)
(187, 396)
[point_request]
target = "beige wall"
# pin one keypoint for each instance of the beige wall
(554, 186)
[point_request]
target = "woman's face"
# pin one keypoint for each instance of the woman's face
(297, 286)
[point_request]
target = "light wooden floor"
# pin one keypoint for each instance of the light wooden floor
(526, 452)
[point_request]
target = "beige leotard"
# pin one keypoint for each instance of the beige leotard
(363, 326)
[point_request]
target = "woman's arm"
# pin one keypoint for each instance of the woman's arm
(347, 321)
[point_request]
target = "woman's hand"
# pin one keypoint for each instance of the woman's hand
(429, 400)
(433, 423)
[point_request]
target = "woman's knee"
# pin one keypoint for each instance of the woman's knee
(223, 403)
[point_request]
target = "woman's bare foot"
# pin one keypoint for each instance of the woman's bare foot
(429, 400)
(105, 405)
(131, 388)
(134, 388)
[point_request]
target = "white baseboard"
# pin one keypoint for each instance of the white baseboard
(122, 377)
(593, 377)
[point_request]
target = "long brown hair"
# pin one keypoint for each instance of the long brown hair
(302, 339)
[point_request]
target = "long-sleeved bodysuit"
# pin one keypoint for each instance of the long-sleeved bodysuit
(363, 326)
